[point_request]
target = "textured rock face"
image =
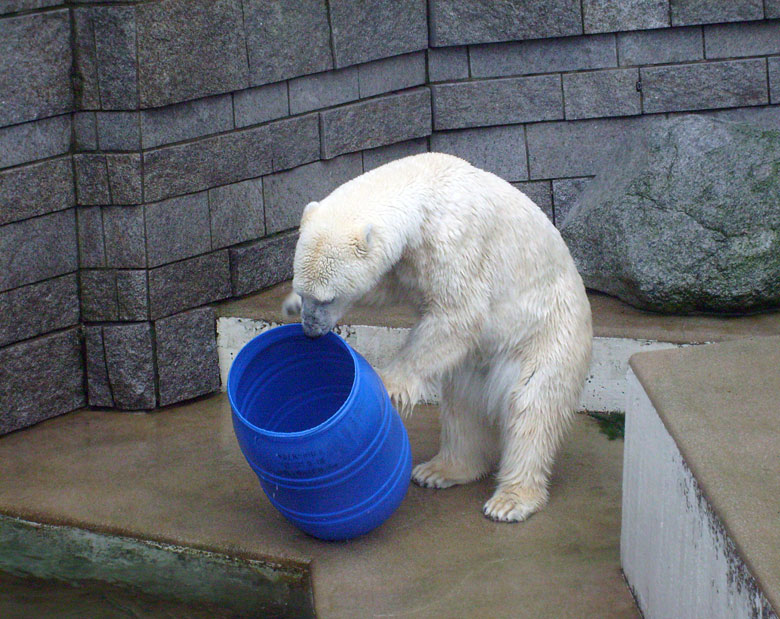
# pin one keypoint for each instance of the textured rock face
(684, 219)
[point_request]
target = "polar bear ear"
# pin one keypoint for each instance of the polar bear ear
(364, 239)
(308, 210)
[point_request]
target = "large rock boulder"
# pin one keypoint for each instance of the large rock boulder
(684, 219)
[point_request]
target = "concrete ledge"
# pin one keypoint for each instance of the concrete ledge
(701, 483)
(611, 318)
(186, 574)
(619, 329)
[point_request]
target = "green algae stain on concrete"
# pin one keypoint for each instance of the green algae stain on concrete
(613, 425)
(245, 586)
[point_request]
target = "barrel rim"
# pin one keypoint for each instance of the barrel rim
(272, 336)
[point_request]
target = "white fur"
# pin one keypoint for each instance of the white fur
(504, 329)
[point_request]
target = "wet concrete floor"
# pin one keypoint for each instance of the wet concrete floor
(177, 476)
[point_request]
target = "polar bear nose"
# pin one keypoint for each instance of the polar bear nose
(316, 318)
(314, 331)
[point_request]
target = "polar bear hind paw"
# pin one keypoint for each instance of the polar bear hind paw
(437, 473)
(514, 503)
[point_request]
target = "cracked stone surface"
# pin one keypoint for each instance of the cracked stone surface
(684, 219)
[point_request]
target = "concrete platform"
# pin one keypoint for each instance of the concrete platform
(701, 490)
(611, 319)
(619, 329)
(176, 477)
(165, 503)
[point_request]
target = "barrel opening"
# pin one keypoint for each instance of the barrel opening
(295, 384)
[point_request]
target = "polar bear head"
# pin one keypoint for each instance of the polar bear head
(336, 263)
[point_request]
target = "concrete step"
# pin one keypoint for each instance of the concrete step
(619, 332)
(701, 484)
(166, 503)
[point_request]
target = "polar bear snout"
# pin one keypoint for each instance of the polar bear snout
(317, 318)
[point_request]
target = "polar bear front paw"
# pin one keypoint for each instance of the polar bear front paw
(514, 503)
(404, 392)
(438, 473)
(292, 305)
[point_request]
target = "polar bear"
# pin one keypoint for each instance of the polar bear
(504, 327)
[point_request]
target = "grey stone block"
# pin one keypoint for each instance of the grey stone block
(108, 179)
(575, 148)
(39, 308)
(85, 81)
(118, 131)
(177, 228)
(592, 94)
(541, 194)
(376, 122)
(115, 53)
(704, 86)
(286, 40)
(772, 9)
(129, 354)
(600, 16)
(41, 378)
(774, 79)
(734, 40)
(230, 158)
(132, 296)
(500, 150)
(448, 63)
(543, 56)
(690, 12)
(98, 387)
(660, 46)
(35, 140)
(98, 295)
(124, 178)
(35, 59)
(236, 213)
(187, 359)
(91, 179)
(16, 6)
(183, 285)
(36, 190)
(365, 30)
(125, 237)
(454, 22)
(84, 131)
(184, 121)
(259, 105)
(36, 249)
(376, 157)
(92, 253)
(566, 192)
(294, 141)
(287, 193)
(314, 92)
(397, 73)
(497, 102)
(262, 264)
(189, 49)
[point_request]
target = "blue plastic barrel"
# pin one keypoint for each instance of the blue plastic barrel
(316, 425)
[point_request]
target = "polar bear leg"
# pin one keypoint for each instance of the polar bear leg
(532, 431)
(468, 447)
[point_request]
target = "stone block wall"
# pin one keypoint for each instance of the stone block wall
(155, 155)
(41, 367)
